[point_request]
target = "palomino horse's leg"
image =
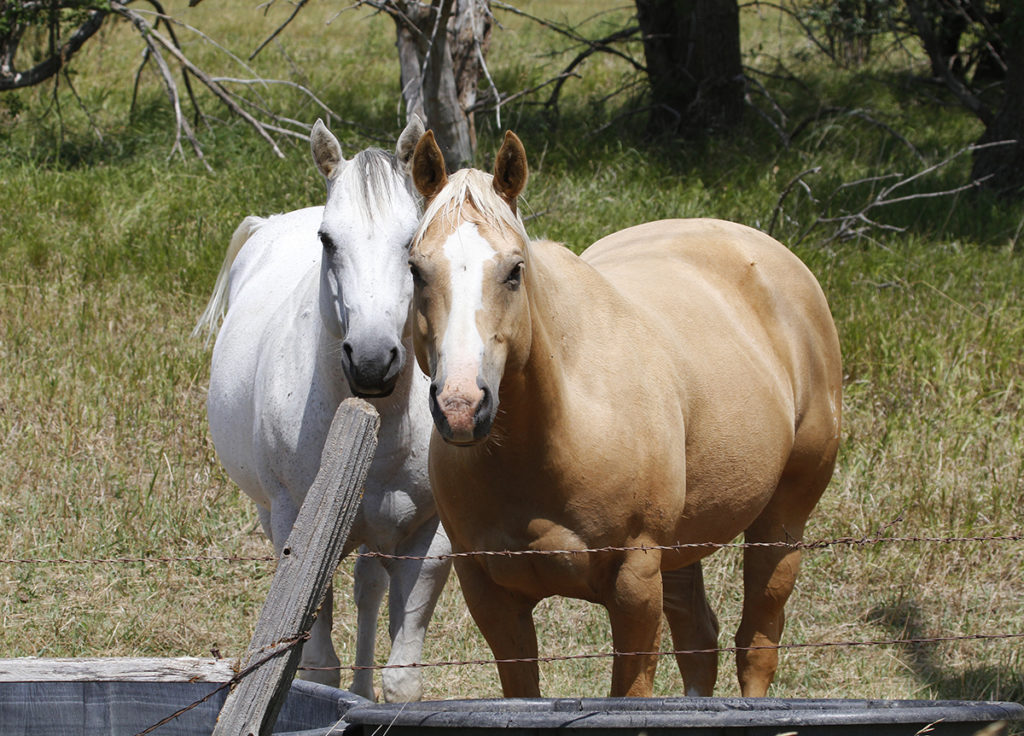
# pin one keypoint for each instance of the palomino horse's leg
(505, 618)
(371, 582)
(769, 574)
(415, 587)
(694, 626)
(634, 609)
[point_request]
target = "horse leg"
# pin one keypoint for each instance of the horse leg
(769, 574)
(371, 582)
(318, 653)
(415, 587)
(505, 618)
(634, 610)
(694, 626)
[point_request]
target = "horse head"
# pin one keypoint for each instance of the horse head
(469, 258)
(365, 287)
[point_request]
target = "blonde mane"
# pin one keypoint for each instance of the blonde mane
(472, 186)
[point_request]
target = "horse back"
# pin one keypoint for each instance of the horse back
(754, 342)
(270, 268)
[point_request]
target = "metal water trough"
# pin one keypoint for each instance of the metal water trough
(670, 716)
(124, 697)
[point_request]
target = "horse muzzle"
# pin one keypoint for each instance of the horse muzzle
(463, 417)
(372, 372)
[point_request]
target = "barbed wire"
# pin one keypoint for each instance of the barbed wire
(276, 650)
(801, 545)
(675, 652)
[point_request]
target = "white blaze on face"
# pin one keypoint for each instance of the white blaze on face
(462, 348)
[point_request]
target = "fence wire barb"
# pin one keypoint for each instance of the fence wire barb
(674, 652)
(813, 545)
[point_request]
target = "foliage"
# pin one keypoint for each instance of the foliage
(845, 29)
(52, 15)
(109, 251)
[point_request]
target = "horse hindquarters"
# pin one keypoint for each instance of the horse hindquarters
(769, 575)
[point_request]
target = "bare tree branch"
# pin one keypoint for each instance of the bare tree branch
(798, 179)
(298, 6)
(858, 223)
(570, 33)
(152, 37)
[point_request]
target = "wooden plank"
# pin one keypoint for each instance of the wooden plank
(304, 572)
(116, 669)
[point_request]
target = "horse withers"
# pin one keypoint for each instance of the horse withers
(317, 303)
(678, 383)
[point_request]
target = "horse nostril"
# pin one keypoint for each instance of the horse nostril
(347, 347)
(484, 406)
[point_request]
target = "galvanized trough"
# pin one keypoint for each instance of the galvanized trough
(677, 716)
(124, 697)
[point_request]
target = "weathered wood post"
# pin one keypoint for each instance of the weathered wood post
(307, 564)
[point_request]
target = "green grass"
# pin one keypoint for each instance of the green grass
(109, 249)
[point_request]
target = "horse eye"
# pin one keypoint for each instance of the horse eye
(417, 277)
(515, 277)
(328, 242)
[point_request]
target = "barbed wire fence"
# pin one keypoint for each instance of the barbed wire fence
(819, 544)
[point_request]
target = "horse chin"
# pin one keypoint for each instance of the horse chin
(460, 431)
(362, 393)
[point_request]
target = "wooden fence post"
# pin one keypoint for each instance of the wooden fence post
(307, 564)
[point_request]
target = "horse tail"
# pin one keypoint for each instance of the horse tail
(217, 307)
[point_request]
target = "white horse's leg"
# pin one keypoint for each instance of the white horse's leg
(694, 627)
(371, 582)
(317, 653)
(415, 587)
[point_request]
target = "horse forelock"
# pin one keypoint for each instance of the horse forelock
(473, 187)
(373, 178)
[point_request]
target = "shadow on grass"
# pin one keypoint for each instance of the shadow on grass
(906, 620)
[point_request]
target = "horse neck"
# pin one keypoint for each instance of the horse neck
(565, 297)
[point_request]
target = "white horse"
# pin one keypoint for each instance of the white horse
(317, 302)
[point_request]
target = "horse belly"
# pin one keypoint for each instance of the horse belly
(554, 563)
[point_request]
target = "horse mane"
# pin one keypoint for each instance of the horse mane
(372, 175)
(472, 186)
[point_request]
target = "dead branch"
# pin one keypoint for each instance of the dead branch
(181, 124)
(490, 104)
(152, 37)
(298, 6)
(570, 33)
(11, 78)
(798, 179)
(860, 223)
(602, 45)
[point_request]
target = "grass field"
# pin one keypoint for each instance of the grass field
(109, 249)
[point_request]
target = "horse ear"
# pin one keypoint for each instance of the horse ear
(407, 142)
(428, 172)
(326, 150)
(510, 170)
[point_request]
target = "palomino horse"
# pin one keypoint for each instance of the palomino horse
(678, 383)
(317, 305)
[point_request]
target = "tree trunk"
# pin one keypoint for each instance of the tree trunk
(1005, 164)
(470, 37)
(439, 48)
(692, 48)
